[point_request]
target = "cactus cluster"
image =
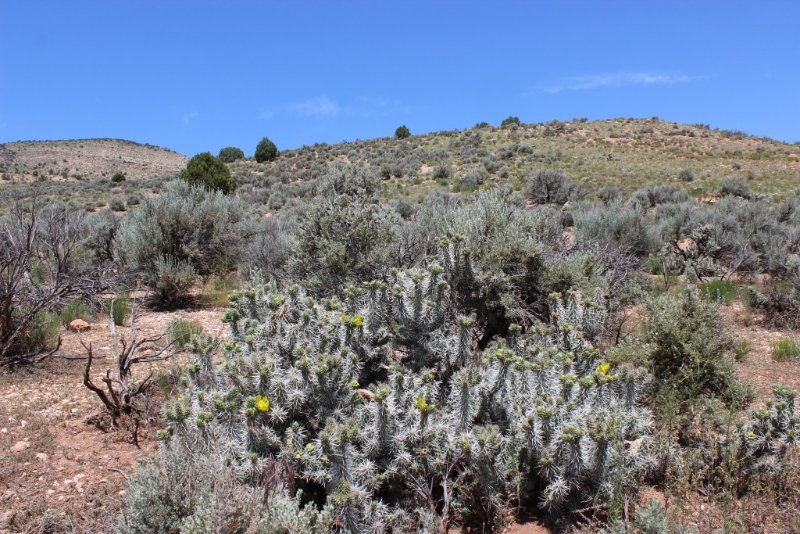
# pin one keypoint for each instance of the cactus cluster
(770, 435)
(385, 414)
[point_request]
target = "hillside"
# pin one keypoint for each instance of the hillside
(624, 153)
(620, 153)
(90, 159)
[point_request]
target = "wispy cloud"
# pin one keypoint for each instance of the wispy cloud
(318, 106)
(322, 106)
(368, 106)
(616, 79)
(189, 117)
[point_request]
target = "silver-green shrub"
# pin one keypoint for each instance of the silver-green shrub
(345, 233)
(183, 232)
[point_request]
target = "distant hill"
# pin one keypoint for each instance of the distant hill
(623, 153)
(85, 159)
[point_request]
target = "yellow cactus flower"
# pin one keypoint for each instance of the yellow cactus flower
(262, 403)
(604, 368)
(422, 404)
(357, 321)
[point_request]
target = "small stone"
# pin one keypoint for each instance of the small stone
(79, 325)
(366, 394)
(42, 457)
(20, 446)
(6, 517)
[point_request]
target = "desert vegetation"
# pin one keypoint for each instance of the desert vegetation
(462, 330)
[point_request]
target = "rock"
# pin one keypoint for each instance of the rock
(686, 245)
(6, 518)
(42, 457)
(366, 394)
(79, 325)
(20, 446)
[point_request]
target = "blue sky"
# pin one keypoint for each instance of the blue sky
(200, 75)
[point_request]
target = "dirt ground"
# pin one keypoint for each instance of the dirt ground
(58, 471)
(758, 368)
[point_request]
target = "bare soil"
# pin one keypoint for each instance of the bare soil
(86, 159)
(58, 470)
(758, 368)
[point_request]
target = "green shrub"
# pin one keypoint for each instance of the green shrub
(266, 151)
(171, 279)
(548, 186)
(510, 122)
(230, 154)
(216, 289)
(691, 353)
(181, 331)
(785, 349)
(442, 172)
(42, 333)
(119, 309)
(718, 290)
(77, 309)
(206, 171)
(656, 194)
(117, 204)
(470, 182)
(742, 235)
(118, 177)
(651, 519)
(402, 132)
(686, 175)
(735, 186)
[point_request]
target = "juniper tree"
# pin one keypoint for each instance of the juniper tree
(207, 171)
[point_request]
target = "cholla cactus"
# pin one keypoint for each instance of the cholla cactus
(385, 409)
(770, 434)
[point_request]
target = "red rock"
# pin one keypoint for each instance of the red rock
(79, 325)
